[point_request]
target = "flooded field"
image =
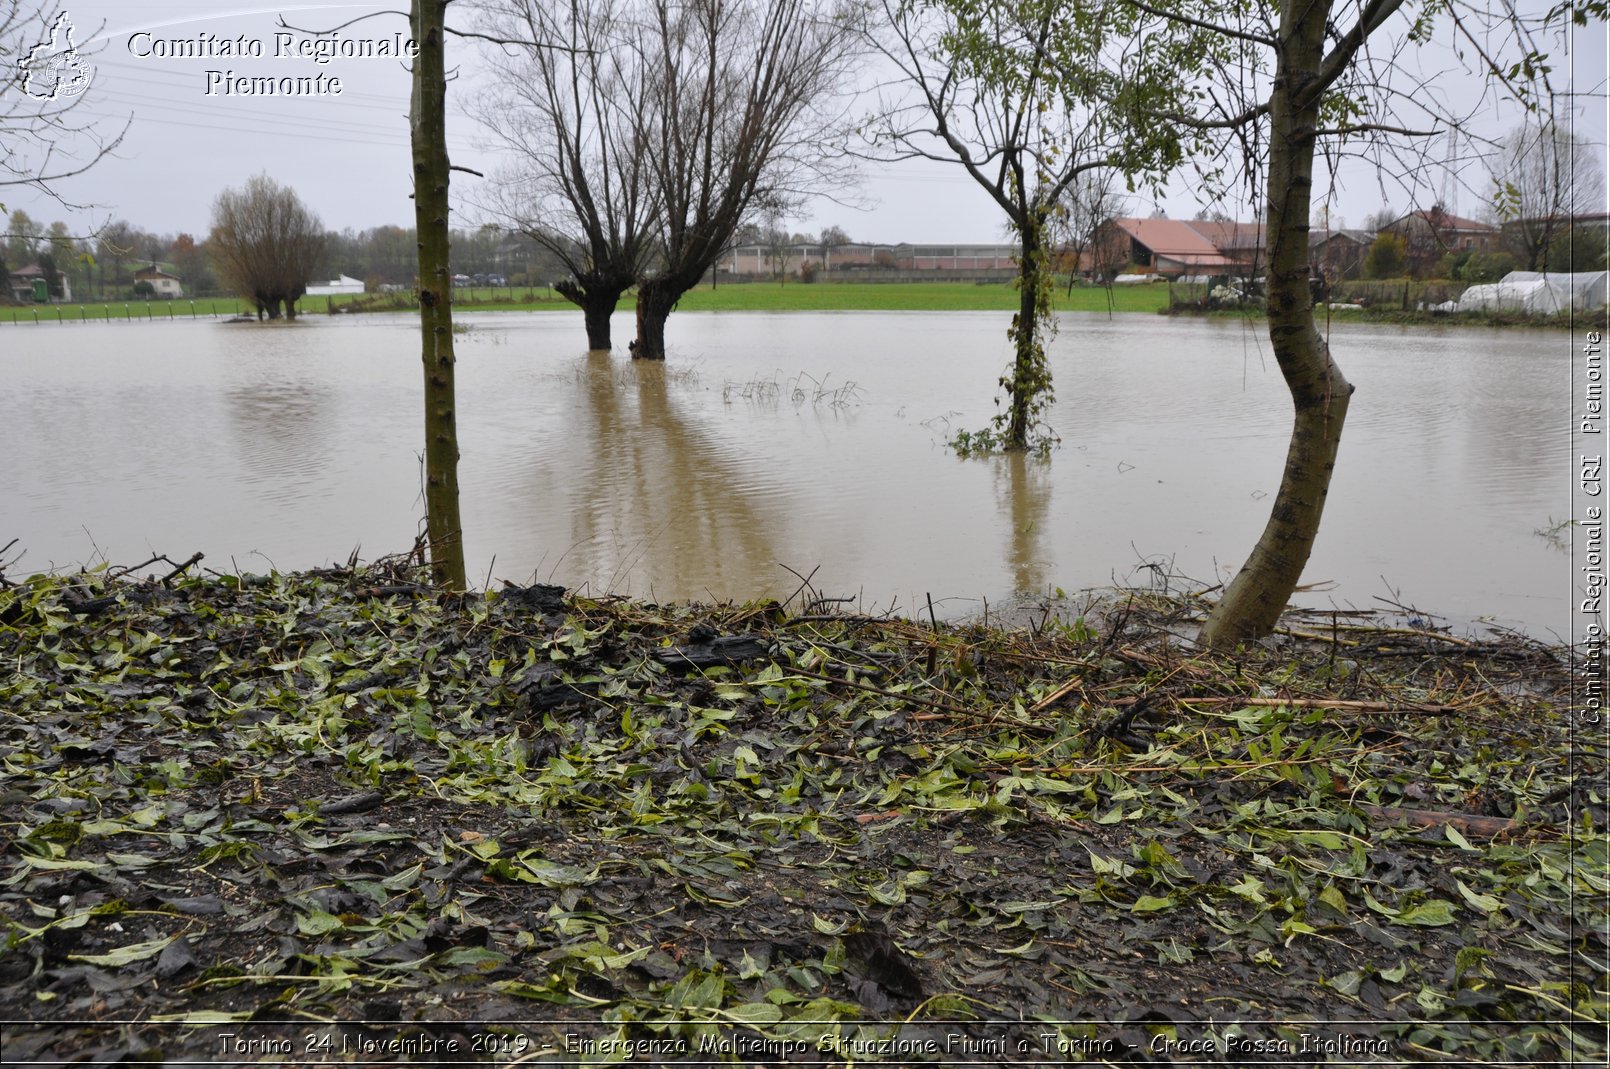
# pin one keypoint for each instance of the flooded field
(806, 440)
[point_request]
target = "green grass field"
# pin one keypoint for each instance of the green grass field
(744, 297)
(119, 311)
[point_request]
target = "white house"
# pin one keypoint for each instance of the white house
(334, 286)
(162, 283)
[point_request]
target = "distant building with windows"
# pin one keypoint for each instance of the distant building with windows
(162, 283)
(1170, 248)
(29, 285)
(955, 257)
(767, 261)
(1432, 233)
(1338, 255)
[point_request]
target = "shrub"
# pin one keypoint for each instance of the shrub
(1452, 266)
(1578, 249)
(1486, 267)
(1386, 258)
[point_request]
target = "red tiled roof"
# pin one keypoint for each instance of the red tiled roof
(1226, 235)
(1447, 221)
(1174, 240)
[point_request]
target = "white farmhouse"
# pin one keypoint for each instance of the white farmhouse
(162, 283)
(343, 284)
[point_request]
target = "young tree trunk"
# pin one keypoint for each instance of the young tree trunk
(431, 173)
(1023, 385)
(1252, 604)
(655, 299)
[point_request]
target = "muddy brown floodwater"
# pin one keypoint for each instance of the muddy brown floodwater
(811, 440)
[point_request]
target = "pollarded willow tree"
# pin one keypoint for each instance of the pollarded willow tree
(265, 244)
(568, 102)
(743, 106)
(1015, 93)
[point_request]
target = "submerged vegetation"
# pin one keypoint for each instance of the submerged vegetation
(263, 805)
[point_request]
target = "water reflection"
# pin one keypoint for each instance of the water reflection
(657, 504)
(282, 435)
(1023, 493)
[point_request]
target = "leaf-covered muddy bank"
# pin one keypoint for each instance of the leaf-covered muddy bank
(271, 807)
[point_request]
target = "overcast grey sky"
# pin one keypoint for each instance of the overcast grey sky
(347, 154)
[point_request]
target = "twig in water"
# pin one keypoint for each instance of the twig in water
(933, 651)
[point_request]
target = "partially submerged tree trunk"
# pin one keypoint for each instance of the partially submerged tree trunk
(431, 173)
(597, 299)
(1029, 385)
(1251, 606)
(655, 300)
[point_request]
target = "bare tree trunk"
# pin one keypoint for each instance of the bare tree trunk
(431, 174)
(1252, 604)
(597, 313)
(655, 299)
(597, 302)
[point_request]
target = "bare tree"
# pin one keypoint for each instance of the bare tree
(833, 237)
(265, 244)
(776, 242)
(22, 237)
(1543, 175)
(114, 244)
(977, 88)
(43, 80)
(1076, 220)
(1379, 220)
(570, 104)
(741, 94)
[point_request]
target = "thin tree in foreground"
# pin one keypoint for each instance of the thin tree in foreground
(432, 169)
(1326, 84)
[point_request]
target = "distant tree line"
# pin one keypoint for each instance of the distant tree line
(102, 266)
